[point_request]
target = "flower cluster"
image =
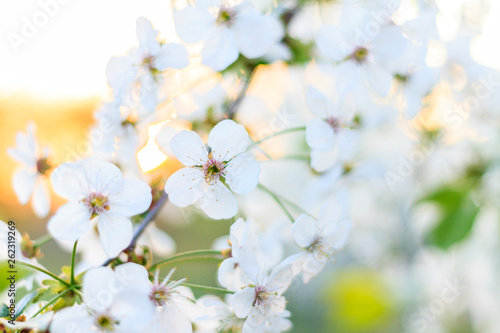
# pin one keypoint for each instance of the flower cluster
(272, 120)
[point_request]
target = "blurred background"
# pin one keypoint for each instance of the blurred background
(56, 79)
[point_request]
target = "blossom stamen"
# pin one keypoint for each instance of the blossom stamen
(213, 170)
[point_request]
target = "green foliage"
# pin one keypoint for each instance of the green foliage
(23, 303)
(458, 214)
(360, 301)
(21, 273)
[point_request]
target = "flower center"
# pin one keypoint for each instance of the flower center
(317, 246)
(43, 165)
(226, 16)
(106, 323)
(360, 54)
(159, 296)
(334, 123)
(96, 203)
(213, 170)
(261, 295)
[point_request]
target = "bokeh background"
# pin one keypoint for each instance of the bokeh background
(57, 80)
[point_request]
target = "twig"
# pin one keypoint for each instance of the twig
(147, 219)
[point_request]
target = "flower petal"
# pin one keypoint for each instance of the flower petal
(171, 56)
(318, 103)
(303, 230)
(220, 49)
(242, 302)
(331, 42)
(146, 35)
(69, 181)
(133, 276)
(70, 222)
(100, 175)
(188, 148)
(242, 174)
(41, 199)
(99, 288)
(319, 135)
(379, 79)
(192, 24)
(129, 197)
(218, 202)
(73, 319)
(24, 183)
(115, 233)
(183, 186)
(227, 139)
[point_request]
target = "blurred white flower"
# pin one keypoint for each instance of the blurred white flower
(319, 238)
(330, 136)
(142, 66)
(110, 305)
(211, 178)
(97, 189)
(167, 299)
(364, 55)
(228, 31)
(262, 303)
(30, 179)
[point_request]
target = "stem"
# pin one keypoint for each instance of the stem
(52, 275)
(73, 255)
(197, 286)
(52, 301)
(278, 201)
(187, 255)
(42, 240)
(231, 112)
(288, 130)
(147, 219)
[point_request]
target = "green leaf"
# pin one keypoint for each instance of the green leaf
(21, 305)
(4, 311)
(458, 214)
(21, 273)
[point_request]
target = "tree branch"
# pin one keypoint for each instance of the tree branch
(145, 222)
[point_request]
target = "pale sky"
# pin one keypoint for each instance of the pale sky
(67, 55)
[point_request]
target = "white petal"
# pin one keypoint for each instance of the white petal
(349, 75)
(41, 199)
(231, 276)
(218, 202)
(379, 79)
(318, 103)
(182, 186)
(147, 36)
(192, 23)
(220, 49)
(174, 320)
(100, 286)
(171, 56)
(256, 33)
(323, 160)
(188, 148)
(242, 302)
(227, 139)
(70, 222)
(115, 232)
(133, 276)
(129, 197)
(342, 230)
(319, 135)
(330, 42)
(69, 181)
(24, 183)
(121, 72)
(100, 175)
(242, 174)
(304, 230)
(73, 319)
